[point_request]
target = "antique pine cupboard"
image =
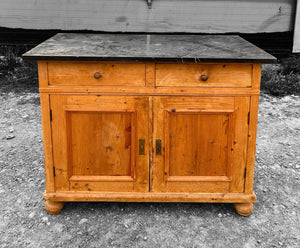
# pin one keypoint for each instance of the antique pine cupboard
(158, 118)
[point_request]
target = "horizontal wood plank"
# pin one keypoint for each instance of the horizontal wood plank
(150, 197)
(196, 187)
(148, 91)
(198, 178)
(101, 178)
(113, 186)
(164, 16)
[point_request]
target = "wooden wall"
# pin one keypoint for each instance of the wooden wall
(195, 16)
(296, 46)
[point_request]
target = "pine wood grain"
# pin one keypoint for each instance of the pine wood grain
(249, 177)
(43, 73)
(243, 209)
(98, 136)
(115, 186)
(53, 207)
(256, 75)
(82, 73)
(101, 178)
(150, 74)
(251, 144)
(150, 197)
(198, 144)
(208, 144)
(48, 152)
(198, 141)
(189, 75)
(59, 142)
(101, 143)
(196, 187)
(150, 91)
(239, 144)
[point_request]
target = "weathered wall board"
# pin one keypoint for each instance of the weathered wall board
(203, 16)
(296, 46)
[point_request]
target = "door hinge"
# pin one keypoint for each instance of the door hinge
(53, 171)
(248, 118)
(50, 115)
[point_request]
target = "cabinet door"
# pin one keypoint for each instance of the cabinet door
(203, 144)
(100, 143)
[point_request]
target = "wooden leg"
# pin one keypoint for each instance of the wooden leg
(243, 209)
(53, 207)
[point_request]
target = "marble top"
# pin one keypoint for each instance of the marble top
(149, 47)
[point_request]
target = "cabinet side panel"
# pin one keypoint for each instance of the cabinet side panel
(251, 144)
(256, 75)
(240, 137)
(48, 156)
(256, 78)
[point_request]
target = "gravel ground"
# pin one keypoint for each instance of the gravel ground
(274, 222)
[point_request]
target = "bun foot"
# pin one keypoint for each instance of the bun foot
(243, 209)
(53, 207)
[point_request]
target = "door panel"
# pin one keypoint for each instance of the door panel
(97, 138)
(104, 147)
(197, 143)
(201, 147)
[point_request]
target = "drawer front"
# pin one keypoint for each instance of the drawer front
(204, 75)
(96, 73)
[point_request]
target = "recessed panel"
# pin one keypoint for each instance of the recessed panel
(100, 143)
(198, 144)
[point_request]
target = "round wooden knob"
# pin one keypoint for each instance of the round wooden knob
(204, 78)
(97, 75)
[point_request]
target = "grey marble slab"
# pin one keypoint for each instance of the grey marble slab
(157, 47)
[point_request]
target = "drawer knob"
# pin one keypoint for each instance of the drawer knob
(97, 75)
(204, 78)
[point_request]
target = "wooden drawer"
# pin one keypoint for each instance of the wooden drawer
(189, 75)
(83, 73)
